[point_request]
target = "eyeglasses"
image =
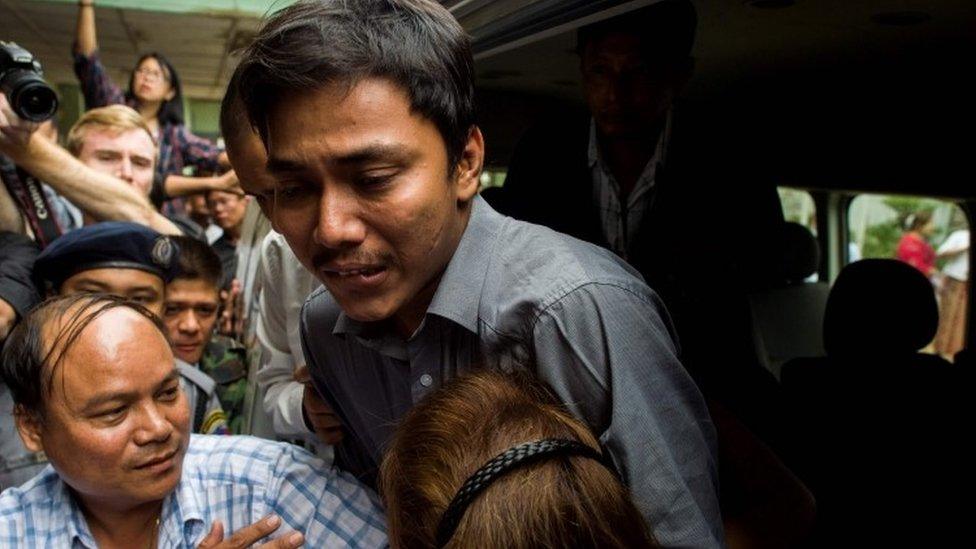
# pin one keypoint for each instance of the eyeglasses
(151, 74)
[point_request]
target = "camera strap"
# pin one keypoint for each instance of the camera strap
(27, 192)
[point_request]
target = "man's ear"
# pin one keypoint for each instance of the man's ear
(469, 166)
(29, 428)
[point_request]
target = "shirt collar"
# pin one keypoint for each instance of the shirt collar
(660, 152)
(78, 531)
(182, 507)
(458, 295)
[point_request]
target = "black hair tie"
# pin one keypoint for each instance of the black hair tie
(529, 452)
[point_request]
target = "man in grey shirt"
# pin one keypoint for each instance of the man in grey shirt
(366, 110)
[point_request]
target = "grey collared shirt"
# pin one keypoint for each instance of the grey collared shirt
(517, 295)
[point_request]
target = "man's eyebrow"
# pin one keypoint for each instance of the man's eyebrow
(122, 396)
(379, 152)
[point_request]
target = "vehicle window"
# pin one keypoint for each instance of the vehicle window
(493, 177)
(928, 234)
(798, 207)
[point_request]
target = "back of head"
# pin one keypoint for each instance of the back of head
(556, 501)
(197, 261)
(880, 307)
(115, 119)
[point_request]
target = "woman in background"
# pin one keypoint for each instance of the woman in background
(155, 92)
(914, 247)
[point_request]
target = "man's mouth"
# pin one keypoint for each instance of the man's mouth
(161, 461)
(186, 347)
(354, 276)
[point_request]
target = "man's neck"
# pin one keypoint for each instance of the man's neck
(408, 318)
(123, 527)
(627, 156)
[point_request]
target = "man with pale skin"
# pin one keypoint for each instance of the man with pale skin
(95, 387)
(366, 109)
(111, 174)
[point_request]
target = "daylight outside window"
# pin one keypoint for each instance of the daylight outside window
(928, 234)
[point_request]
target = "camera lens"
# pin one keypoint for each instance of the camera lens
(30, 97)
(35, 102)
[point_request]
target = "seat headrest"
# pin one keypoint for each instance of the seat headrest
(880, 306)
(799, 253)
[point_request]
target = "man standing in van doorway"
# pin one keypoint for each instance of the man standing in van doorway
(366, 108)
(630, 175)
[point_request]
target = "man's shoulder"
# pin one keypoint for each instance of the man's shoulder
(534, 267)
(237, 459)
(32, 499)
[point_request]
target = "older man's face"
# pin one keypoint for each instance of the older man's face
(116, 422)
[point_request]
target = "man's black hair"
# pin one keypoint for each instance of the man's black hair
(416, 44)
(172, 109)
(30, 361)
(198, 261)
(666, 29)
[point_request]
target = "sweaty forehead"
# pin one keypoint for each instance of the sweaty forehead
(105, 353)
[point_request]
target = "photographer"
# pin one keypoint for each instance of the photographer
(103, 191)
(155, 92)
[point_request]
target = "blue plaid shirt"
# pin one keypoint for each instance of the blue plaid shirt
(234, 479)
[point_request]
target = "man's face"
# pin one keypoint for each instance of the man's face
(116, 423)
(135, 285)
(627, 93)
(249, 159)
(227, 209)
(364, 196)
(129, 155)
(190, 314)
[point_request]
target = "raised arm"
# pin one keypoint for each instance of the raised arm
(181, 185)
(85, 38)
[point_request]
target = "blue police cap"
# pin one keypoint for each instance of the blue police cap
(111, 244)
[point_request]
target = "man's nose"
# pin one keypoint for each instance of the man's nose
(154, 426)
(339, 224)
(189, 323)
(124, 170)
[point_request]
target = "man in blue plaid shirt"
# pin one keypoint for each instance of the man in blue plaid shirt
(95, 388)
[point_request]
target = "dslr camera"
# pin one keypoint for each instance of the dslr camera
(21, 81)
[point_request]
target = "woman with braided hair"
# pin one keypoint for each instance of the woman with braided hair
(491, 460)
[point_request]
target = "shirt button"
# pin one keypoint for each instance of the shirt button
(426, 380)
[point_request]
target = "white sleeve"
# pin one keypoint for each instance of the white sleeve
(275, 376)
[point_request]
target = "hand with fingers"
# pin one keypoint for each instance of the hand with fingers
(232, 315)
(247, 536)
(228, 182)
(318, 416)
(15, 133)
